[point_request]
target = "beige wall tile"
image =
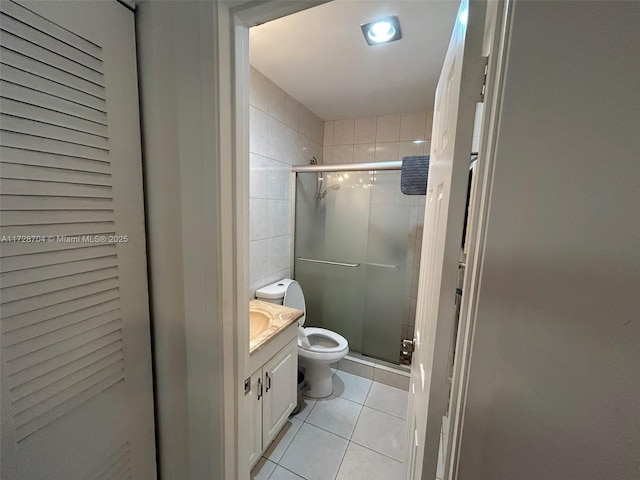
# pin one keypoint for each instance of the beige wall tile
(343, 154)
(291, 107)
(278, 218)
(258, 170)
(427, 147)
(317, 129)
(364, 152)
(258, 131)
(343, 132)
(413, 126)
(365, 130)
(408, 149)
(328, 133)
(278, 253)
(276, 102)
(304, 121)
(258, 258)
(282, 132)
(386, 152)
(259, 90)
(429, 125)
(388, 128)
(258, 211)
(327, 154)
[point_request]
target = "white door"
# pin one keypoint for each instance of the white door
(76, 396)
(280, 390)
(457, 93)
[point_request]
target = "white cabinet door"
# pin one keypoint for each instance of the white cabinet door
(253, 407)
(76, 387)
(280, 396)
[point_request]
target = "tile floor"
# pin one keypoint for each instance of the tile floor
(358, 433)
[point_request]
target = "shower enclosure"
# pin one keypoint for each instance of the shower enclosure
(357, 243)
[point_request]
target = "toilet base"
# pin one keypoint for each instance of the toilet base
(319, 377)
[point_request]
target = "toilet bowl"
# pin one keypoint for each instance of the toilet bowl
(318, 348)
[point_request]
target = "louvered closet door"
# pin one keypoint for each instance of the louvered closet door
(76, 396)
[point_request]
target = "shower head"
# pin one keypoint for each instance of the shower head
(326, 190)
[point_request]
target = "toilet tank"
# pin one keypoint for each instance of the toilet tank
(284, 292)
(274, 293)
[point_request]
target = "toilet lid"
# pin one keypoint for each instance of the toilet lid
(294, 298)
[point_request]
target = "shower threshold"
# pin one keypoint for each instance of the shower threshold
(374, 369)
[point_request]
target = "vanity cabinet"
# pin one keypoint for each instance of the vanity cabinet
(271, 398)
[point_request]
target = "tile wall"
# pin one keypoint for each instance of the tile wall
(282, 133)
(379, 139)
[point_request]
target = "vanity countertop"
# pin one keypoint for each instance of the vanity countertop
(280, 318)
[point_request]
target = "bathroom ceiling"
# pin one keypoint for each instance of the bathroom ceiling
(319, 56)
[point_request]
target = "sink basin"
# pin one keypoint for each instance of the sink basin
(259, 321)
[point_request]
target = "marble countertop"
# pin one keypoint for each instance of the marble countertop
(281, 318)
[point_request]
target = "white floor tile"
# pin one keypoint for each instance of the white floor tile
(283, 440)
(283, 474)
(263, 469)
(314, 453)
(381, 432)
(352, 387)
(360, 463)
(335, 414)
(388, 399)
(307, 406)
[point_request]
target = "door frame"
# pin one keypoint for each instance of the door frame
(495, 47)
(235, 17)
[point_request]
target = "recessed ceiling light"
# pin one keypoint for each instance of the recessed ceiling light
(382, 30)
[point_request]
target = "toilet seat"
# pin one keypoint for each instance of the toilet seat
(321, 352)
(326, 347)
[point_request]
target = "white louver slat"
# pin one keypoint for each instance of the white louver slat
(69, 326)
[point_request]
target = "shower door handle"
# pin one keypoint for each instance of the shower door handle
(327, 262)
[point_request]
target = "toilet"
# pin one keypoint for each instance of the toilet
(318, 348)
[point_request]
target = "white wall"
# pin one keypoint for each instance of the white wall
(282, 133)
(379, 139)
(178, 85)
(554, 387)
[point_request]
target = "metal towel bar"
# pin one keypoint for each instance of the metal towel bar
(340, 264)
(343, 264)
(383, 265)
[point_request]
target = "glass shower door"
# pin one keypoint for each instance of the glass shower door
(351, 254)
(332, 214)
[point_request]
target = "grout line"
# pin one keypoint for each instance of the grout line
(359, 414)
(375, 451)
(386, 413)
(328, 431)
(379, 453)
(285, 468)
(288, 446)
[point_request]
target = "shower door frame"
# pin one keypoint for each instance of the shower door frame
(394, 165)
